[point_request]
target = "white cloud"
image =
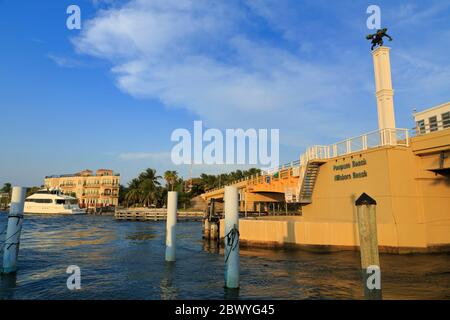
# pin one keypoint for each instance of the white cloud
(64, 62)
(207, 58)
(195, 55)
(411, 15)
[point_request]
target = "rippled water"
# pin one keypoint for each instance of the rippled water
(125, 260)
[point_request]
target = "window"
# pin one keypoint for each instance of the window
(433, 123)
(39, 200)
(421, 126)
(446, 120)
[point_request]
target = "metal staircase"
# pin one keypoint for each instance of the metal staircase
(308, 182)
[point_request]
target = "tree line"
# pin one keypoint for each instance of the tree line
(147, 190)
(6, 190)
(150, 189)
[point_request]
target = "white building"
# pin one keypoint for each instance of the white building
(432, 119)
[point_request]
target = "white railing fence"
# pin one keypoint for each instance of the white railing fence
(374, 139)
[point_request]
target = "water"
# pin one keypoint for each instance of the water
(125, 260)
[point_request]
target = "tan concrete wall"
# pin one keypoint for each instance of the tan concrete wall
(431, 142)
(413, 205)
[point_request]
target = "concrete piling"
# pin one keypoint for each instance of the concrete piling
(231, 237)
(14, 228)
(214, 230)
(171, 222)
(370, 261)
(206, 229)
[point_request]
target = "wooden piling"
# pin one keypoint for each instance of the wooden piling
(370, 261)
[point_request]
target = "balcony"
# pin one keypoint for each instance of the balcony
(110, 184)
(96, 185)
(114, 195)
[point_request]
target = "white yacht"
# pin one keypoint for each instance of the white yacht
(52, 202)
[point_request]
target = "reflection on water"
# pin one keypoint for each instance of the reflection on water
(140, 236)
(168, 290)
(7, 285)
(230, 294)
(211, 246)
(125, 260)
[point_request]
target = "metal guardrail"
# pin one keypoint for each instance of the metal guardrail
(373, 139)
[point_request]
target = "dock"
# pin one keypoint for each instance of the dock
(149, 214)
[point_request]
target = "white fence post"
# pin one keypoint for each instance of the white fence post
(231, 238)
(171, 222)
(15, 220)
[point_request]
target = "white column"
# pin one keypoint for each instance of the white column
(15, 220)
(383, 84)
(172, 198)
(231, 237)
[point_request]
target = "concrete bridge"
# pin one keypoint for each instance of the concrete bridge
(295, 182)
(258, 192)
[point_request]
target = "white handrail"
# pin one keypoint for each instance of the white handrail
(384, 137)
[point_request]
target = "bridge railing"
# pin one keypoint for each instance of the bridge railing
(374, 139)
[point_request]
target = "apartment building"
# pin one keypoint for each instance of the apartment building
(92, 190)
(432, 119)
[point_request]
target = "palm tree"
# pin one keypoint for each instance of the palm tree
(134, 192)
(171, 178)
(7, 188)
(161, 196)
(149, 192)
(122, 192)
(208, 181)
(150, 174)
(148, 184)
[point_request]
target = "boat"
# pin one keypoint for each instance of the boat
(52, 202)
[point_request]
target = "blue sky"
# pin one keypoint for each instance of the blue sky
(109, 95)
